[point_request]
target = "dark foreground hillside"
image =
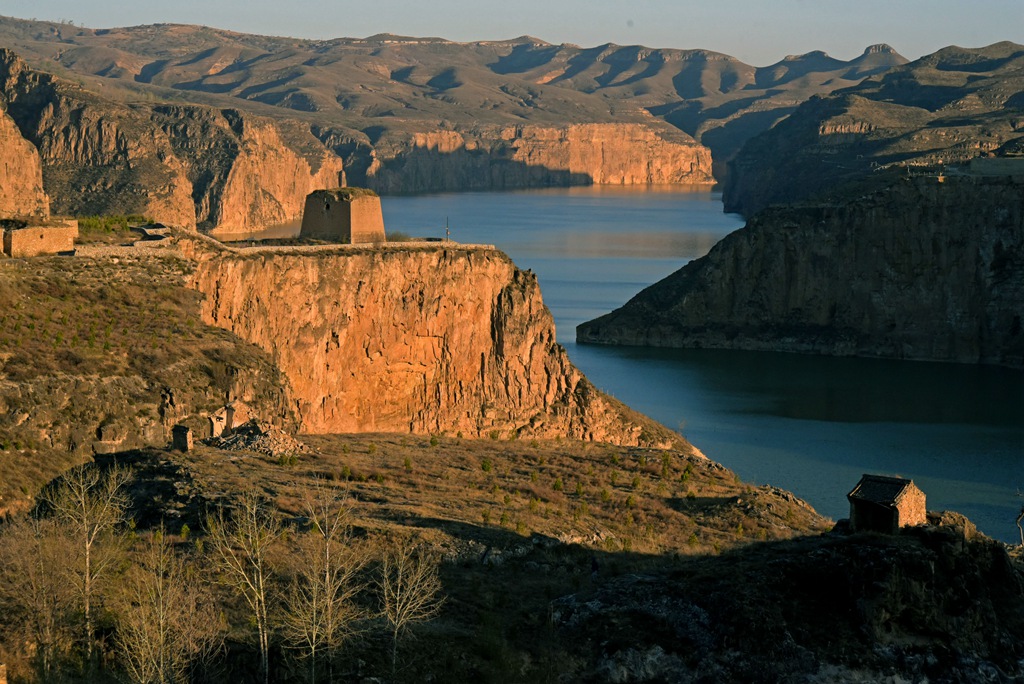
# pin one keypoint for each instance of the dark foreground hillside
(558, 562)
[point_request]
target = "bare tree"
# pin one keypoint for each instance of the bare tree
(241, 547)
(34, 594)
(319, 611)
(90, 504)
(1019, 518)
(167, 619)
(409, 588)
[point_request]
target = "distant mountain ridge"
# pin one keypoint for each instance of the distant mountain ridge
(361, 90)
(942, 109)
(886, 220)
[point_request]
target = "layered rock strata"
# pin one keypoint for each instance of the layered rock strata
(220, 170)
(530, 156)
(411, 339)
(929, 268)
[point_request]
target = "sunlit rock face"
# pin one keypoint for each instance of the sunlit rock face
(220, 170)
(412, 339)
(21, 174)
(531, 155)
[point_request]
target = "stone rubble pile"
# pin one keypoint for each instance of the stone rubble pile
(261, 438)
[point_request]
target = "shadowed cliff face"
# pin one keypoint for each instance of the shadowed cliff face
(922, 270)
(412, 340)
(944, 108)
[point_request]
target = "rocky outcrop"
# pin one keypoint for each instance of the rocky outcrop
(935, 603)
(530, 156)
(21, 174)
(929, 268)
(189, 166)
(411, 339)
(243, 175)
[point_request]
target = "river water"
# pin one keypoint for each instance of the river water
(808, 424)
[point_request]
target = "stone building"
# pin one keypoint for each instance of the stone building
(346, 215)
(50, 236)
(885, 504)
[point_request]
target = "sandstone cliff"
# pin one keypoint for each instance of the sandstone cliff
(923, 270)
(411, 339)
(530, 156)
(100, 355)
(21, 174)
(189, 166)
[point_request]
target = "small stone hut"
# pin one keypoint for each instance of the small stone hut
(346, 215)
(885, 504)
(50, 236)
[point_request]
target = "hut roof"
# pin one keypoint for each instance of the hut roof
(880, 489)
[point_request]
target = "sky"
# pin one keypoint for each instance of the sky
(758, 32)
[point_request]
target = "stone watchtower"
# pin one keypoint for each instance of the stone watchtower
(346, 215)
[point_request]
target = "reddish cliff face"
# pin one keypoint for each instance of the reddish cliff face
(411, 339)
(532, 155)
(188, 166)
(21, 174)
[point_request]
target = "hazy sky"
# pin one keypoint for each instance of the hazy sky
(759, 32)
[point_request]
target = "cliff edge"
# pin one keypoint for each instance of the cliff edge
(406, 338)
(927, 268)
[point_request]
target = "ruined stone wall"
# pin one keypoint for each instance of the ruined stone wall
(366, 222)
(38, 240)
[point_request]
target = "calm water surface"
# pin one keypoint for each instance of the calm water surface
(809, 424)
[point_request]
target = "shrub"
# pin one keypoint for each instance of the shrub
(486, 465)
(558, 486)
(434, 441)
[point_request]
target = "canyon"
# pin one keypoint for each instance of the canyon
(926, 268)
(410, 338)
(884, 220)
